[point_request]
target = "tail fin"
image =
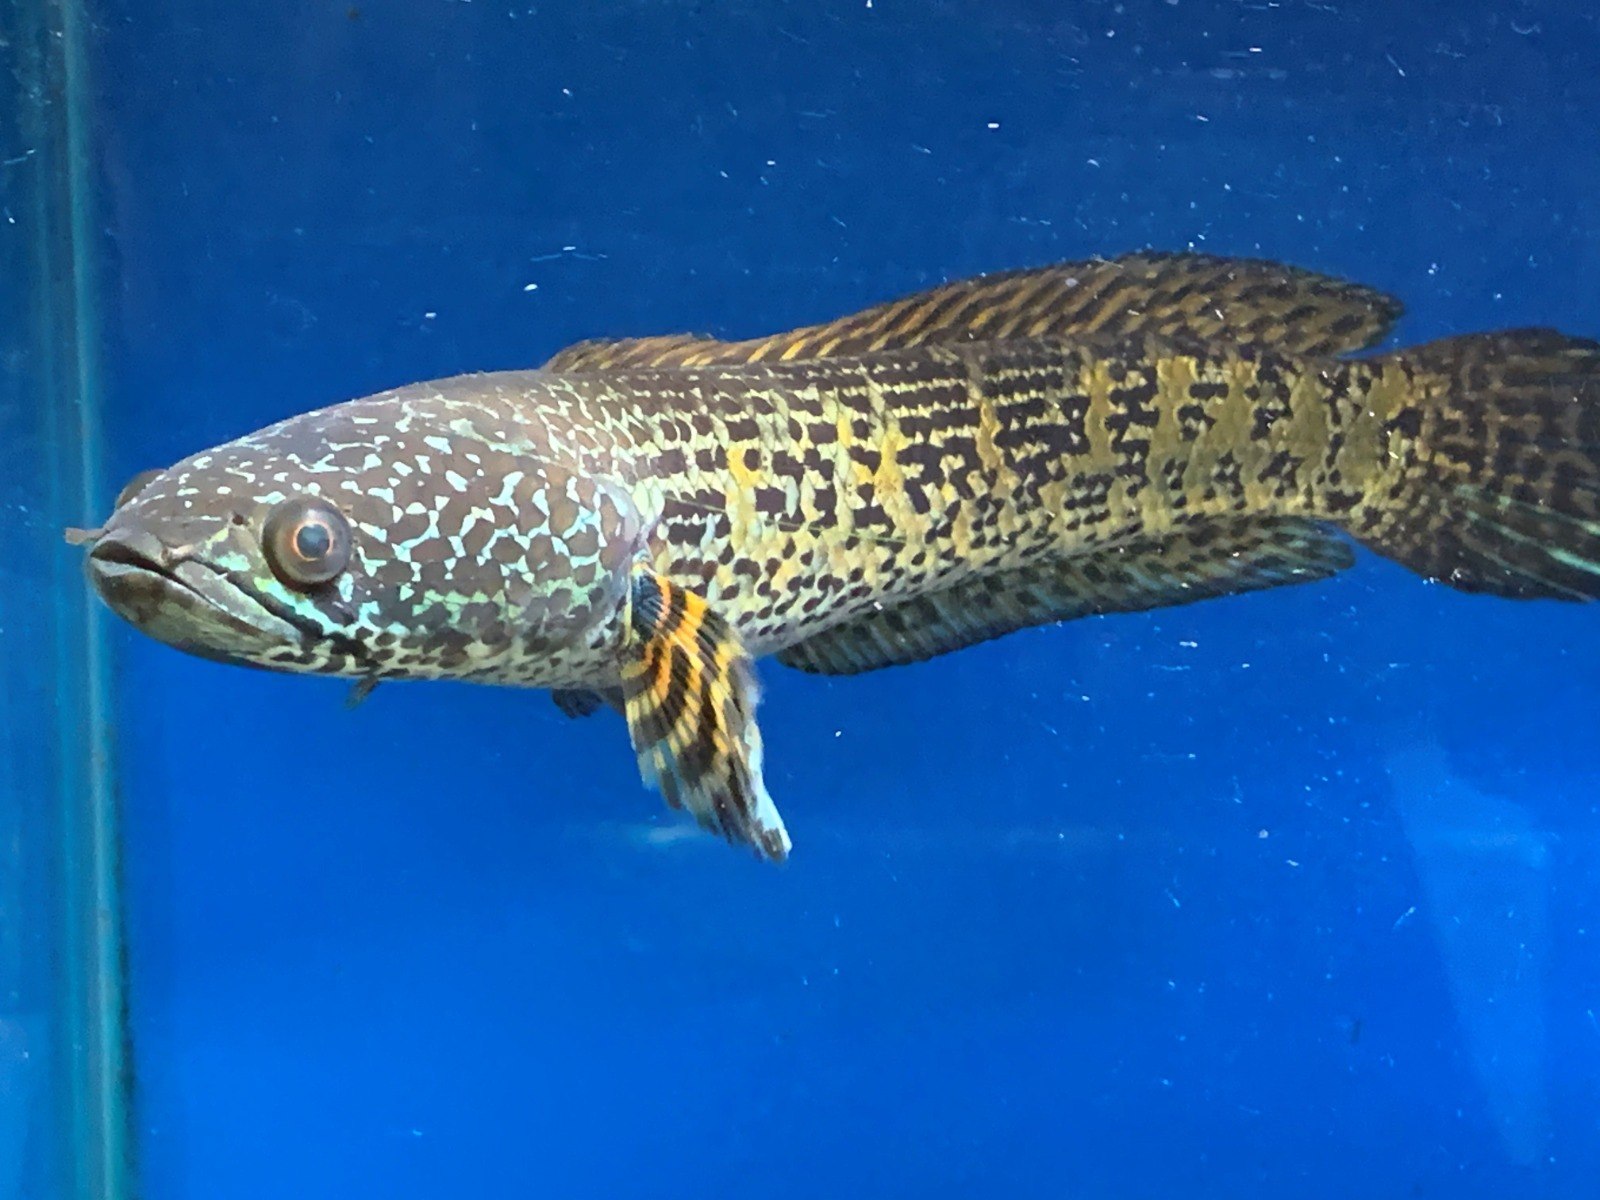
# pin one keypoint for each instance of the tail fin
(1494, 482)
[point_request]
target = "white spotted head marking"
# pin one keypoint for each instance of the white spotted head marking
(416, 534)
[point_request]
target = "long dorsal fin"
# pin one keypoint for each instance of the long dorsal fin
(1179, 296)
(608, 353)
(1203, 562)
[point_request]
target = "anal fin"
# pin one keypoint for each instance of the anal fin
(690, 698)
(1202, 562)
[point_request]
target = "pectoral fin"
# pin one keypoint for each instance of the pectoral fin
(690, 701)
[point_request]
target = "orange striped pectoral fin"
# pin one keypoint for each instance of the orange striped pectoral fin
(690, 699)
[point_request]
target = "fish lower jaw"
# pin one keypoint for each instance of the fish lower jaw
(184, 604)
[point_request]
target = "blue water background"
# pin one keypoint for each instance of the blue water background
(1294, 894)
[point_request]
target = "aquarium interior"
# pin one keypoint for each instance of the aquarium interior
(1294, 893)
(64, 1080)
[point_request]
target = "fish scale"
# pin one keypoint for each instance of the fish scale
(638, 520)
(970, 459)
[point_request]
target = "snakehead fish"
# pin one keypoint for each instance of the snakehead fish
(639, 519)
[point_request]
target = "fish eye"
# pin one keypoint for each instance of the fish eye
(134, 486)
(307, 541)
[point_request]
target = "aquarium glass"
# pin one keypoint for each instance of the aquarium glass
(1292, 893)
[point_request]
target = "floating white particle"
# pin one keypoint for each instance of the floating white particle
(530, 287)
(428, 316)
(994, 124)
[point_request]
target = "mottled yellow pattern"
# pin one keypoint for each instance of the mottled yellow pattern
(1129, 410)
(640, 519)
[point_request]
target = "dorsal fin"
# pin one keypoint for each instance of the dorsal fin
(611, 353)
(1179, 296)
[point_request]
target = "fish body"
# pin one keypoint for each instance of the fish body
(796, 497)
(640, 519)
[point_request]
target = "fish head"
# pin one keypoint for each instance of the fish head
(381, 538)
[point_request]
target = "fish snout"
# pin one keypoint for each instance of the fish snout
(171, 593)
(131, 569)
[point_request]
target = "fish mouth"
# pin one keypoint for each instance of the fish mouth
(179, 598)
